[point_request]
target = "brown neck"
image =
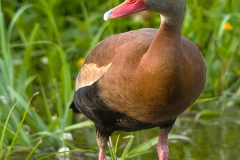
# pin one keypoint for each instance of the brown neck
(168, 30)
(167, 35)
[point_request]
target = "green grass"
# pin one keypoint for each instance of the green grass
(42, 41)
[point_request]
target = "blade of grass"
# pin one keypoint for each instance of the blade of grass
(86, 17)
(66, 84)
(33, 150)
(54, 28)
(19, 128)
(27, 60)
(15, 18)
(4, 129)
(46, 105)
(84, 124)
(81, 125)
(141, 149)
(35, 118)
(7, 68)
(116, 145)
(128, 146)
(111, 149)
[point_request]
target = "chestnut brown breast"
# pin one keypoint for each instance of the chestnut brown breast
(149, 85)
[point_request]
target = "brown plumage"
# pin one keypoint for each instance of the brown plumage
(140, 79)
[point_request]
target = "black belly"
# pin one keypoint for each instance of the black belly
(87, 101)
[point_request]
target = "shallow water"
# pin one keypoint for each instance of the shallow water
(213, 139)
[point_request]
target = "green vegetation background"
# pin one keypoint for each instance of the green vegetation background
(43, 44)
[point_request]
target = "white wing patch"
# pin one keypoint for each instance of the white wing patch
(89, 74)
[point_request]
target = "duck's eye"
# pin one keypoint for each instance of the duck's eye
(131, 1)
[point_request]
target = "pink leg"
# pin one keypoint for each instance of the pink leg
(162, 147)
(102, 144)
(101, 155)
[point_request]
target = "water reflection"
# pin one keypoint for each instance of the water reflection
(212, 139)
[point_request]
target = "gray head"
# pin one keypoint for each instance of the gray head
(172, 11)
(166, 7)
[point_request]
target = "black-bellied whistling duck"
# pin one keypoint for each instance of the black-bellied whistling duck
(140, 79)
